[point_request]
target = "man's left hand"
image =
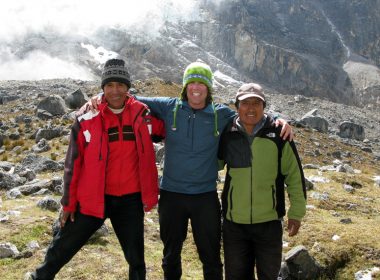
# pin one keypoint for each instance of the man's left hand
(293, 227)
(286, 131)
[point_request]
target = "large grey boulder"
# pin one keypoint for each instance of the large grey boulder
(76, 99)
(315, 121)
(53, 105)
(10, 181)
(49, 203)
(300, 265)
(41, 146)
(8, 250)
(48, 133)
(35, 186)
(351, 130)
(40, 164)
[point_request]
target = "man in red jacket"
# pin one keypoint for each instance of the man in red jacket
(110, 172)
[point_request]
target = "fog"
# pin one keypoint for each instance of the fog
(76, 17)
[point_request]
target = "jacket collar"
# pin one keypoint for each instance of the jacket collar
(235, 126)
(103, 106)
(184, 104)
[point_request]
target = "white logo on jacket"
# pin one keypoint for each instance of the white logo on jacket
(87, 135)
(88, 116)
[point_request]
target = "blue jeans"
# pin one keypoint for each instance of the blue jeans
(254, 244)
(203, 211)
(127, 218)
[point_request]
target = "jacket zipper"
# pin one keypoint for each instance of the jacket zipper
(190, 128)
(231, 205)
(188, 125)
(251, 171)
(192, 132)
(251, 196)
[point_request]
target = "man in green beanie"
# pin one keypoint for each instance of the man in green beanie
(193, 124)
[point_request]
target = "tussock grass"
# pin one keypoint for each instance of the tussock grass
(357, 248)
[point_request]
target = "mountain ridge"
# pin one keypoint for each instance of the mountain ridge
(305, 47)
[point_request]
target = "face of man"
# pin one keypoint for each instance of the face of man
(251, 111)
(196, 95)
(115, 94)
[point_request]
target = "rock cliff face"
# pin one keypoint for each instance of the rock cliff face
(300, 46)
(329, 49)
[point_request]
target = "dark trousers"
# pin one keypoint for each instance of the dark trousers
(248, 245)
(127, 218)
(203, 210)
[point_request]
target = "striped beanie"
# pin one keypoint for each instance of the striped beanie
(115, 71)
(197, 72)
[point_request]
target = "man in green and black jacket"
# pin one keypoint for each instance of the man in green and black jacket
(260, 167)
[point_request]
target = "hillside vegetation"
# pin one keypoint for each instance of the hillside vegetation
(342, 248)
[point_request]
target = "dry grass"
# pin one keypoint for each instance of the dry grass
(100, 259)
(358, 247)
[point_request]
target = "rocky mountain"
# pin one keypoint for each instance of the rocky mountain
(327, 49)
(26, 99)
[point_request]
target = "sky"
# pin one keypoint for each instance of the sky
(82, 17)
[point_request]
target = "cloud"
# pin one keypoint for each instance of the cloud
(38, 65)
(84, 17)
(141, 19)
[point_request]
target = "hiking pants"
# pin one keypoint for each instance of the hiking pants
(127, 218)
(248, 245)
(203, 211)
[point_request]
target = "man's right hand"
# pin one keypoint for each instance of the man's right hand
(64, 216)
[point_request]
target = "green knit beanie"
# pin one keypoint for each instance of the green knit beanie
(197, 72)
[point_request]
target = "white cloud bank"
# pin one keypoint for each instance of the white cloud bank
(77, 17)
(85, 16)
(38, 65)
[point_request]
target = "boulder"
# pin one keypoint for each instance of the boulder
(8, 250)
(40, 164)
(76, 99)
(41, 146)
(48, 133)
(54, 105)
(49, 203)
(300, 265)
(9, 181)
(315, 121)
(351, 130)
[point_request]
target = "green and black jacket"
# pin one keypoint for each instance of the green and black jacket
(258, 175)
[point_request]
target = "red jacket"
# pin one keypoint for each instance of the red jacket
(87, 156)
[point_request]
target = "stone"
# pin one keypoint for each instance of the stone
(76, 99)
(351, 130)
(8, 250)
(300, 265)
(53, 104)
(49, 203)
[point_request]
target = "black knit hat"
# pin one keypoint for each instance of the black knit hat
(115, 71)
